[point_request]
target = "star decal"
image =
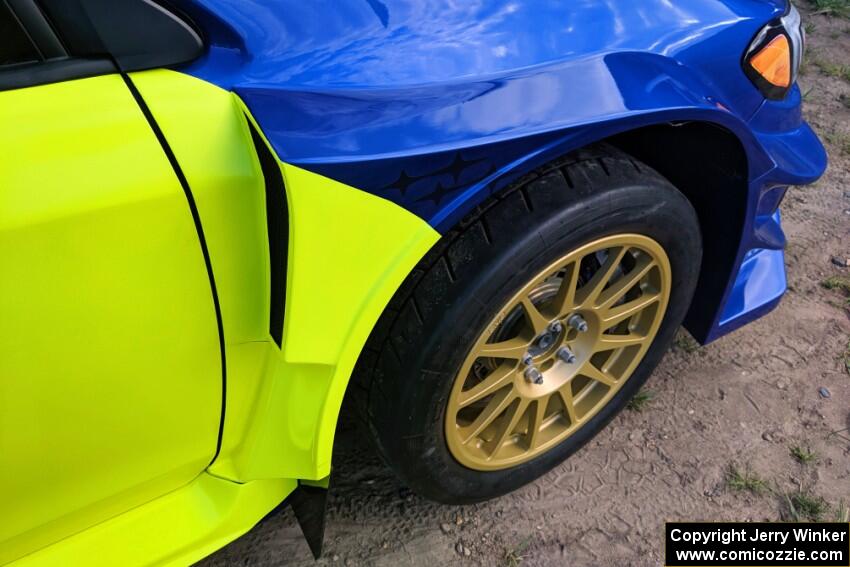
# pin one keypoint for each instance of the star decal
(403, 183)
(458, 166)
(455, 169)
(440, 193)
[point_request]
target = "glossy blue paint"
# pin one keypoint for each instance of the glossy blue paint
(437, 104)
(797, 158)
(757, 290)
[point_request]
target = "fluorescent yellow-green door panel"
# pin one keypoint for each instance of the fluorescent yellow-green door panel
(110, 381)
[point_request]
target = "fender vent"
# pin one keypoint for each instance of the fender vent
(277, 217)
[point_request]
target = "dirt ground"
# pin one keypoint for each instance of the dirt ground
(741, 403)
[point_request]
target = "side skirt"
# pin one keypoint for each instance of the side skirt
(176, 529)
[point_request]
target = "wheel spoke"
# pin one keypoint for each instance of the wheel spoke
(566, 393)
(594, 373)
(614, 293)
(565, 299)
(535, 423)
(616, 315)
(589, 292)
(491, 411)
(507, 425)
(535, 318)
(512, 348)
(493, 382)
(613, 342)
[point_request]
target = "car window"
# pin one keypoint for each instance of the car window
(17, 47)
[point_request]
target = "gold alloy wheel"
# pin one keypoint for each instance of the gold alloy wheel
(557, 352)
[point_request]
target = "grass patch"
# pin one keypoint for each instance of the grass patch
(836, 282)
(803, 507)
(807, 93)
(842, 513)
(803, 455)
(840, 8)
(841, 140)
(641, 401)
(515, 556)
(834, 70)
(745, 481)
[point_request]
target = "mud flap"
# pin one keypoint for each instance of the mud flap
(309, 502)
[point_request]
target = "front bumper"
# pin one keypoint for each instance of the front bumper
(792, 156)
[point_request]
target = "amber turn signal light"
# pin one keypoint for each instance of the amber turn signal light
(773, 58)
(773, 61)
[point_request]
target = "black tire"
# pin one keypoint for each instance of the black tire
(406, 372)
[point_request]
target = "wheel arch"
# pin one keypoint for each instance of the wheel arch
(716, 187)
(709, 156)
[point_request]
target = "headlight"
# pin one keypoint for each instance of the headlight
(773, 58)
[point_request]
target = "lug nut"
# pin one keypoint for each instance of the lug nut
(566, 355)
(577, 322)
(533, 375)
(527, 359)
(556, 326)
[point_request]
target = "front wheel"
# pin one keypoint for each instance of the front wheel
(525, 332)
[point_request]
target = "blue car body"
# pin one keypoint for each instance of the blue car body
(436, 105)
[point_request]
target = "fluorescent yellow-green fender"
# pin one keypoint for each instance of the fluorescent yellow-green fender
(348, 253)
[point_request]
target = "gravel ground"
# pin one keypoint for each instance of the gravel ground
(713, 442)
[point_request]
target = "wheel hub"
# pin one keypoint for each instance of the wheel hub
(554, 347)
(543, 343)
